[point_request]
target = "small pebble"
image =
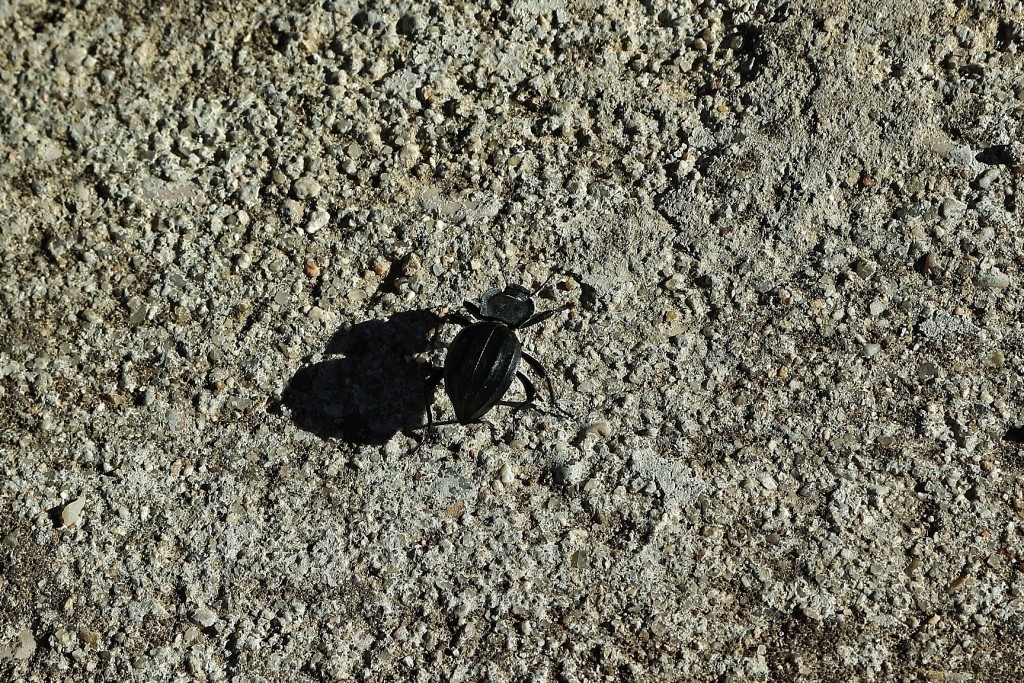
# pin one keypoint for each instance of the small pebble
(26, 645)
(995, 359)
(927, 370)
(986, 179)
(675, 283)
(994, 280)
(305, 188)
(204, 617)
(89, 637)
(318, 221)
(72, 512)
(411, 265)
(866, 269)
(952, 208)
(293, 210)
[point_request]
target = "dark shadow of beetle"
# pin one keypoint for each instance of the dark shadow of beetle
(371, 391)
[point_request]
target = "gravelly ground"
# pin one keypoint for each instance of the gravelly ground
(790, 236)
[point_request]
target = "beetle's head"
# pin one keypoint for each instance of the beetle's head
(513, 306)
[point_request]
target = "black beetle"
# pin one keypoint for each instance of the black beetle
(484, 358)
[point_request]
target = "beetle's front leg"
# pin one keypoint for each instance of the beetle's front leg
(457, 318)
(544, 315)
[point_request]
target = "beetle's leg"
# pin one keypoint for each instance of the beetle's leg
(542, 373)
(472, 308)
(545, 283)
(531, 391)
(429, 387)
(544, 315)
(457, 318)
(531, 396)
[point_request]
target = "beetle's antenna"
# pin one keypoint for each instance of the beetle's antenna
(545, 283)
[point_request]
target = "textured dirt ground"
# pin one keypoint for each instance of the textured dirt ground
(790, 238)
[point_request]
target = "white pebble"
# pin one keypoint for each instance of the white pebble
(72, 512)
(952, 207)
(204, 617)
(318, 221)
(601, 429)
(305, 188)
(994, 280)
(986, 179)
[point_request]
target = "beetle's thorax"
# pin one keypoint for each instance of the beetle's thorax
(513, 306)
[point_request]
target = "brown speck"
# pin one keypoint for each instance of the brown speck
(411, 265)
(455, 510)
(381, 269)
(957, 582)
(926, 263)
(312, 270)
(866, 181)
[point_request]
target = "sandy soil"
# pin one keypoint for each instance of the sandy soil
(789, 237)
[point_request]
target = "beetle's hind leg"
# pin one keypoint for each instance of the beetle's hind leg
(429, 387)
(531, 393)
(528, 402)
(542, 373)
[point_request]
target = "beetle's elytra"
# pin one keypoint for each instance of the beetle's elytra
(480, 367)
(484, 358)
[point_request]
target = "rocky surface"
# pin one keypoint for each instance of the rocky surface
(790, 238)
